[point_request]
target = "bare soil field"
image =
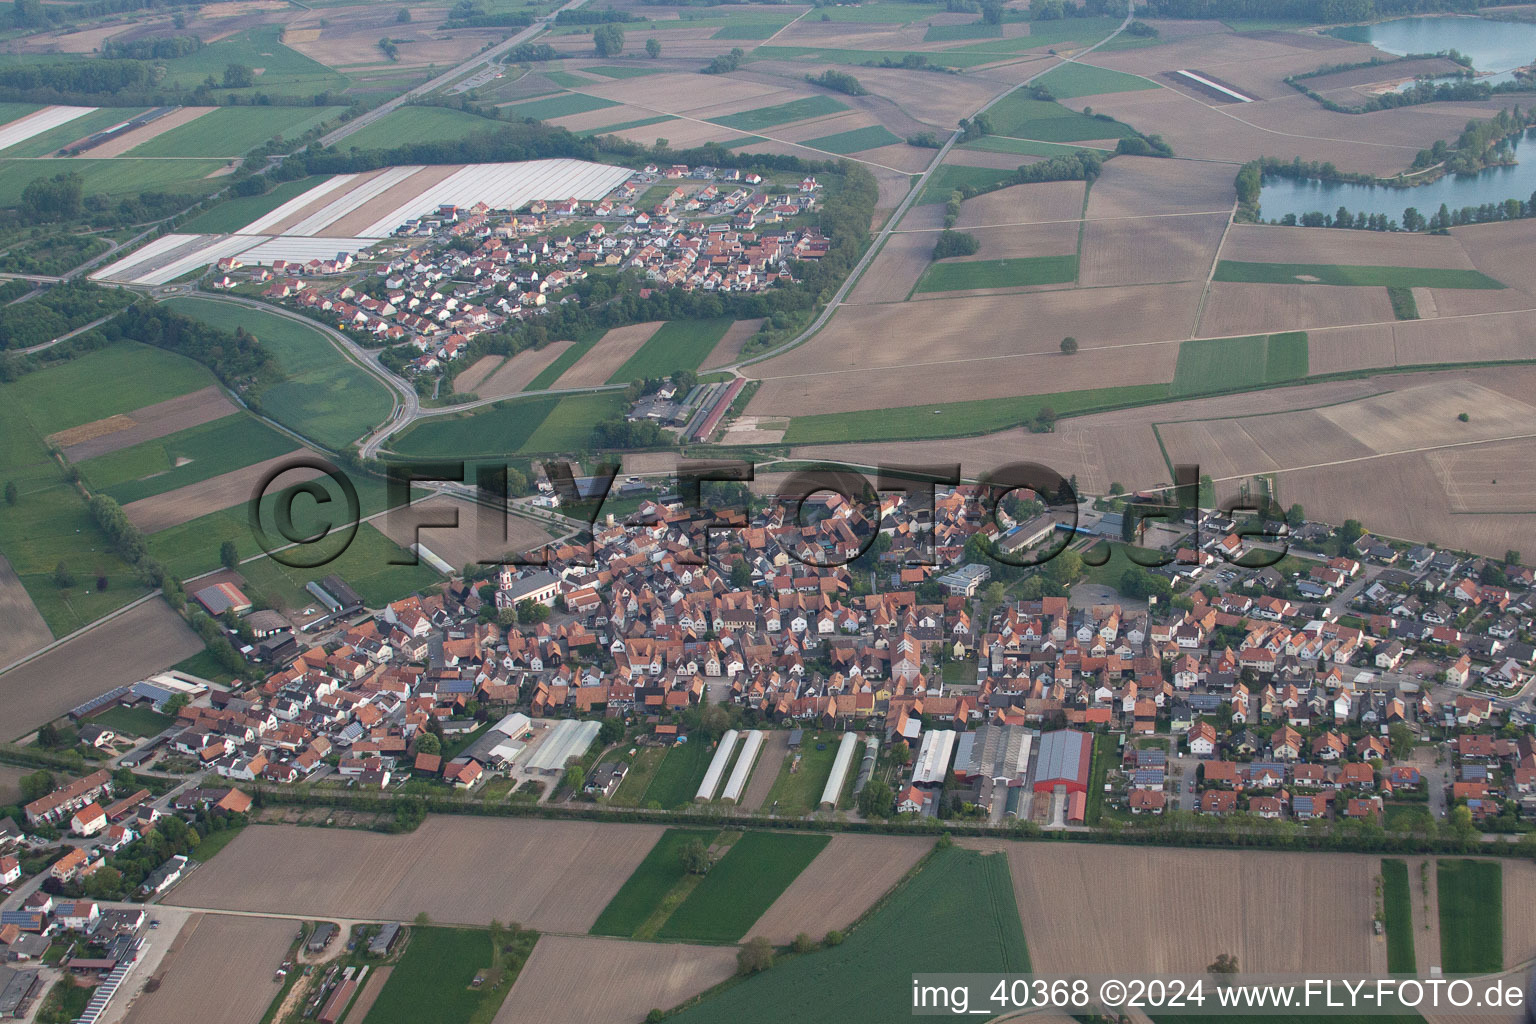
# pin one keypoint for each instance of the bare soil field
(1426, 912)
(728, 348)
(123, 650)
(934, 99)
(370, 993)
(842, 882)
(549, 875)
(895, 270)
(1234, 308)
(604, 116)
(221, 971)
(1022, 204)
(1519, 923)
(1413, 126)
(589, 980)
(354, 39)
(1018, 240)
(604, 358)
(680, 134)
(116, 432)
(1271, 243)
(514, 374)
(903, 157)
(1426, 415)
(1466, 339)
(1246, 904)
(1499, 477)
(1139, 186)
(10, 783)
(25, 631)
(470, 379)
(1149, 250)
(184, 504)
(462, 544)
(680, 93)
(1343, 349)
(1402, 71)
(390, 199)
(138, 136)
(1502, 251)
(766, 772)
(85, 41)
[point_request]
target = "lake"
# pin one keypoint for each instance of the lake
(1281, 196)
(1495, 47)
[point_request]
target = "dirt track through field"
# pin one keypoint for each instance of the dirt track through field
(184, 504)
(588, 980)
(844, 880)
(222, 970)
(114, 433)
(766, 771)
(25, 630)
(124, 650)
(548, 875)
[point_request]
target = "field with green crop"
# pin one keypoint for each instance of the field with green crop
(957, 914)
(626, 125)
(676, 345)
(1020, 117)
(283, 71)
(1023, 147)
(436, 977)
(231, 215)
(1069, 81)
(855, 141)
(568, 427)
(959, 275)
(1471, 915)
(962, 419)
(234, 131)
(559, 106)
(652, 879)
(952, 176)
(1334, 274)
(325, 397)
(798, 791)
(741, 886)
(1397, 909)
(956, 33)
(783, 113)
(1230, 364)
(365, 565)
(678, 778)
(618, 72)
(410, 124)
(185, 457)
(117, 177)
(1052, 33)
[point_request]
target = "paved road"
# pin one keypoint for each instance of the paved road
(479, 60)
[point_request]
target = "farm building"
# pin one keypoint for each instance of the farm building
(743, 768)
(996, 752)
(717, 764)
(1064, 760)
(324, 932)
(223, 597)
(840, 766)
(569, 738)
(383, 940)
(933, 757)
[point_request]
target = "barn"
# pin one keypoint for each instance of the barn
(1064, 760)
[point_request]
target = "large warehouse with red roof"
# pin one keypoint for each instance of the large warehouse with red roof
(1064, 760)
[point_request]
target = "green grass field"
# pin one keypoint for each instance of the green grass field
(1069, 81)
(325, 397)
(958, 58)
(117, 177)
(1051, 33)
(1471, 915)
(138, 721)
(753, 28)
(677, 780)
(112, 380)
(234, 131)
(185, 457)
(542, 424)
(51, 141)
(955, 915)
(408, 124)
(676, 345)
(652, 879)
(626, 125)
(1020, 117)
(1333, 274)
(741, 886)
(568, 427)
(961, 419)
(1023, 147)
(365, 565)
(233, 214)
(433, 980)
(855, 141)
(949, 177)
(798, 792)
(559, 106)
(284, 71)
(1231, 364)
(1397, 908)
(957, 33)
(960, 275)
(783, 113)
(622, 72)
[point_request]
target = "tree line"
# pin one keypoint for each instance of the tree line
(1320, 11)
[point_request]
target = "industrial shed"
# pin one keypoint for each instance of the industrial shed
(717, 764)
(996, 752)
(840, 766)
(1064, 759)
(933, 757)
(743, 768)
(569, 738)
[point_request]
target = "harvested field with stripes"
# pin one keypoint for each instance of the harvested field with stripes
(587, 980)
(495, 377)
(219, 967)
(611, 352)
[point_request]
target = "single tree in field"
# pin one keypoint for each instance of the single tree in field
(404, 17)
(229, 555)
(1069, 346)
(11, 493)
(756, 955)
(62, 576)
(1225, 963)
(609, 40)
(653, 48)
(694, 857)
